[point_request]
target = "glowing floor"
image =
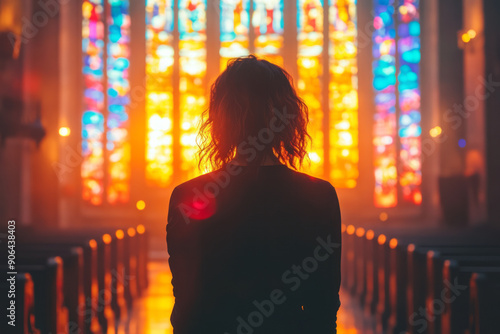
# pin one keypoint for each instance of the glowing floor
(151, 313)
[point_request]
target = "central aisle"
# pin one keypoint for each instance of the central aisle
(151, 313)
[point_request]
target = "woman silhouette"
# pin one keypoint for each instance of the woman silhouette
(254, 245)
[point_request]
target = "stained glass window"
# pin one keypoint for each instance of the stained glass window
(343, 93)
(92, 171)
(105, 133)
(159, 91)
(384, 83)
(118, 144)
(397, 36)
(234, 29)
(409, 100)
(309, 63)
(268, 23)
(251, 26)
(192, 85)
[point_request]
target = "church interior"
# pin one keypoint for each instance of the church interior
(100, 106)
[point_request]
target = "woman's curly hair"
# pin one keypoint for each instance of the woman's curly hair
(254, 112)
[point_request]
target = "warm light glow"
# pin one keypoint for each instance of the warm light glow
(417, 197)
(435, 131)
(411, 247)
(472, 33)
(351, 229)
(141, 229)
(343, 93)
(159, 91)
(360, 232)
(119, 234)
(383, 216)
(466, 38)
(370, 235)
(343, 228)
(131, 231)
(393, 243)
(140, 205)
(106, 238)
(93, 244)
(309, 62)
(64, 131)
(192, 70)
(382, 239)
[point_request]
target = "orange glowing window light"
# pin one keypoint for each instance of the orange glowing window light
(343, 228)
(192, 82)
(107, 238)
(370, 235)
(382, 239)
(343, 93)
(119, 234)
(141, 229)
(131, 231)
(309, 63)
(159, 91)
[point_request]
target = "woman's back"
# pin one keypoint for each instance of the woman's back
(254, 249)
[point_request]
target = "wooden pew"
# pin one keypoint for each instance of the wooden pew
(396, 302)
(24, 307)
(97, 311)
(115, 270)
(47, 274)
(142, 258)
(131, 252)
(417, 288)
(455, 318)
(436, 285)
(484, 303)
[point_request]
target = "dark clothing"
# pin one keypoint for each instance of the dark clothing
(254, 250)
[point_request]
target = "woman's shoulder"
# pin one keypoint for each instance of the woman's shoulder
(312, 182)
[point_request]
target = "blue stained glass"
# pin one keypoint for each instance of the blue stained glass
(412, 56)
(112, 92)
(92, 117)
(414, 28)
(116, 108)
